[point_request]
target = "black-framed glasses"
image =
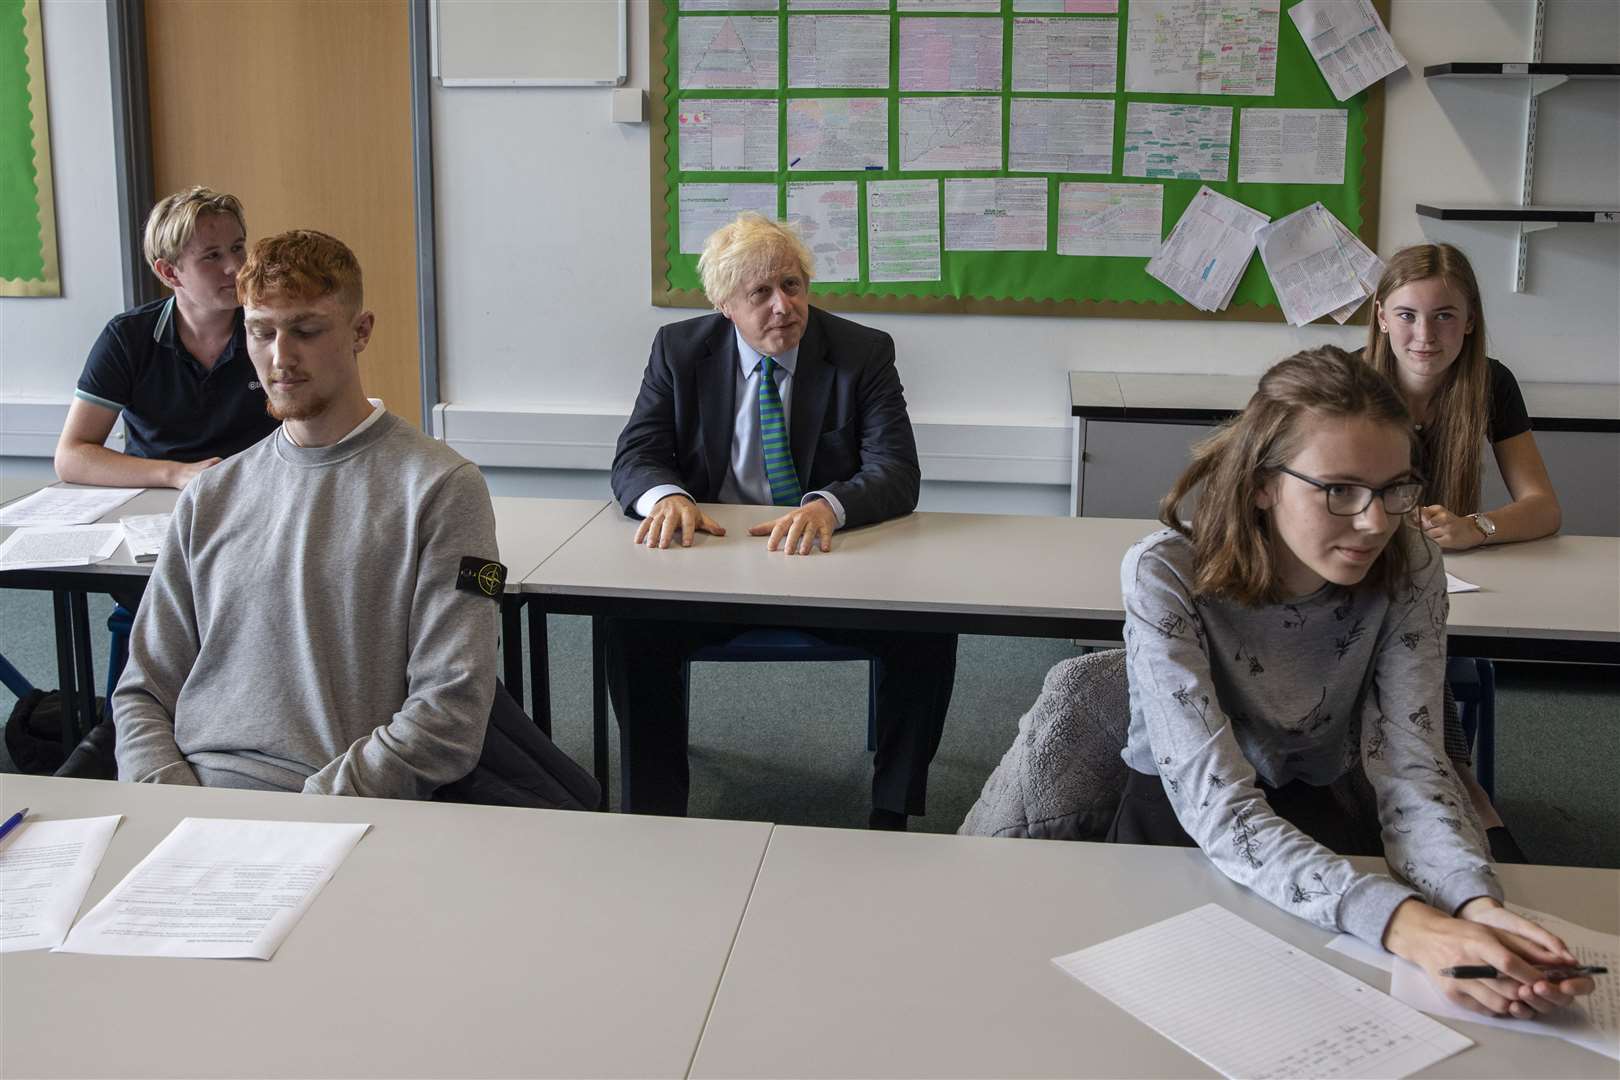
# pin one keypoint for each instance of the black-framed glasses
(1348, 500)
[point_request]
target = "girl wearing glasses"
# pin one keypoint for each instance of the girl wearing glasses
(1427, 336)
(1290, 633)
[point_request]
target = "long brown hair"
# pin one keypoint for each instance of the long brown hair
(1232, 540)
(1454, 437)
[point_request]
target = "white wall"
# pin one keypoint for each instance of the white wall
(544, 254)
(43, 341)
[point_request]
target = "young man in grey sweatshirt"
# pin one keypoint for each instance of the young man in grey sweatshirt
(309, 625)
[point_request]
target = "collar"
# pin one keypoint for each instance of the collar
(167, 330)
(377, 413)
(748, 357)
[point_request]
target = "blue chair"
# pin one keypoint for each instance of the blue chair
(119, 622)
(1473, 684)
(13, 679)
(785, 646)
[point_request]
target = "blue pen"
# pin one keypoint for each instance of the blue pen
(12, 822)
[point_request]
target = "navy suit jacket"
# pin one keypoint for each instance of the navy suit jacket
(849, 430)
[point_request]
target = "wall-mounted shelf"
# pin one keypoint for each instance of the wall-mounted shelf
(1552, 215)
(1469, 69)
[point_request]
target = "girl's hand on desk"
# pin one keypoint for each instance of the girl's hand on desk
(1543, 995)
(1433, 940)
(1451, 532)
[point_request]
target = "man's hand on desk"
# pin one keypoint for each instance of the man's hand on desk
(672, 516)
(799, 531)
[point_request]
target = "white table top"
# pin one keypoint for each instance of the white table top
(455, 941)
(149, 501)
(984, 564)
(1563, 587)
(911, 955)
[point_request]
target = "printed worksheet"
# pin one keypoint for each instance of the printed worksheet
(1248, 1004)
(1178, 141)
(1066, 7)
(217, 889)
(950, 133)
(1202, 46)
(703, 208)
(827, 214)
(1368, 268)
(990, 7)
(726, 5)
(727, 133)
(950, 54)
(144, 534)
(1061, 135)
(734, 52)
(66, 505)
(995, 215)
(838, 5)
(1292, 146)
(36, 547)
(1066, 55)
(1208, 250)
(838, 50)
(1110, 219)
(1308, 269)
(45, 869)
(1348, 41)
(825, 134)
(902, 230)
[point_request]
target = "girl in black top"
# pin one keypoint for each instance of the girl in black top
(1428, 337)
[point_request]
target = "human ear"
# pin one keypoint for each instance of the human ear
(362, 330)
(166, 272)
(1378, 313)
(1264, 497)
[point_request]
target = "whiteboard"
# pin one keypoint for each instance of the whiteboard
(531, 42)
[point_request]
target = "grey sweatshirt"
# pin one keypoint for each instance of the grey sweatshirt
(303, 630)
(1300, 691)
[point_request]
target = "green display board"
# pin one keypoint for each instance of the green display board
(995, 282)
(28, 264)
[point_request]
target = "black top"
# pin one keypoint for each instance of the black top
(173, 407)
(1509, 417)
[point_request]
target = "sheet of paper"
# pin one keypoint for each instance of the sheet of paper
(1066, 55)
(1292, 146)
(824, 134)
(1248, 1004)
(950, 133)
(1208, 250)
(725, 5)
(1061, 135)
(838, 5)
(1178, 142)
(703, 208)
(145, 533)
(838, 50)
(827, 214)
(734, 52)
(218, 889)
(1308, 271)
(902, 230)
(1356, 949)
(66, 545)
(1363, 260)
(66, 505)
(950, 54)
(1457, 584)
(1067, 7)
(1202, 46)
(1110, 219)
(995, 215)
(1348, 41)
(1592, 1022)
(727, 133)
(990, 7)
(45, 869)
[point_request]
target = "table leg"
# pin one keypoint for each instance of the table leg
(599, 710)
(84, 663)
(512, 646)
(64, 669)
(539, 665)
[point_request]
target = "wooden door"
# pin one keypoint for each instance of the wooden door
(302, 109)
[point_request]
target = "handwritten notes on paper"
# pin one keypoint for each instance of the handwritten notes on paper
(950, 54)
(1202, 47)
(727, 133)
(1292, 146)
(1307, 266)
(1066, 55)
(838, 50)
(827, 215)
(1110, 219)
(735, 52)
(703, 208)
(1061, 135)
(995, 215)
(1248, 1004)
(1178, 141)
(902, 222)
(1208, 250)
(825, 134)
(1348, 41)
(955, 133)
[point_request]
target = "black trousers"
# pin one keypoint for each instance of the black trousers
(645, 660)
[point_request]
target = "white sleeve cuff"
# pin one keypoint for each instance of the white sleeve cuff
(650, 497)
(832, 501)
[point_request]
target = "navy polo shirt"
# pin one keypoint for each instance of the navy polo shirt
(173, 407)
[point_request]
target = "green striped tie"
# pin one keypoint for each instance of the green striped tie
(773, 439)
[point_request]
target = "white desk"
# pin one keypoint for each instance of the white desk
(455, 941)
(912, 955)
(1559, 597)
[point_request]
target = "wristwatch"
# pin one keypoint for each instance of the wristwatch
(1484, 525)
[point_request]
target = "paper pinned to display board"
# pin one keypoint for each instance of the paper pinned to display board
(1368, 267)
(1348, 41)
(1208, 250)
(1246, 1003)
(1202, 46)
(706, 207)
(1308, 269)
(827, 215)
(1292, 146)
(1110, 220)
(1001, 214)
(902, 223)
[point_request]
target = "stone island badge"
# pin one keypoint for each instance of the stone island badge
(485, 577)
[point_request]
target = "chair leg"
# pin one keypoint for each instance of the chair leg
(871, 705)
(1485, 728)
(599, 708)
(119, 622)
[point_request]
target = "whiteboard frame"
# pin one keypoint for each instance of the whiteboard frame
(620, 80)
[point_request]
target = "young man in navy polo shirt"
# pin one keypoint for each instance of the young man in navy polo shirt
(177, 369)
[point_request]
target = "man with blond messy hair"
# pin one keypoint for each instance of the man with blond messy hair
(770, 402)
(312, 624)
(176, 369)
